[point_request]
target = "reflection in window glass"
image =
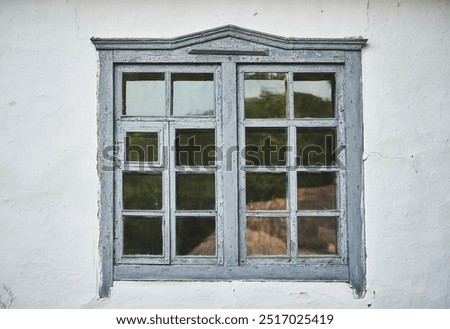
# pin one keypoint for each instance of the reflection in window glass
(266, 191)
(265, 95)
(193, 94)
(196, 236)
(265, 146)
(142, 147)
(317, 235)
(266, 236)
(144, 94)
(142, 236)
(316, 146)
(195, 147)
(142, 191)
(313, 95)
(195, 192)
(316, 191)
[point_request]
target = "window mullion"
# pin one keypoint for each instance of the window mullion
(229, 136)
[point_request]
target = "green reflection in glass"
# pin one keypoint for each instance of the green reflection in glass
(316, 191)
(193, 94)
(316, 146)
(195, 147)
(314, 95)
(144, 94)
(265, 146)
(266, 236)
(142, 191)
(142, 147)
(266, 191)
(317, 235)
(265, 95)
(195, 192)
(142, 236)
(196, 236)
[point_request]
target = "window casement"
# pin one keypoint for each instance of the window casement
(230, 154)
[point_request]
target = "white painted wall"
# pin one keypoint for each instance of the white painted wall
(49, 184)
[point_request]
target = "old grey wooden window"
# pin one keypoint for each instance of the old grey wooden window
(230, 154)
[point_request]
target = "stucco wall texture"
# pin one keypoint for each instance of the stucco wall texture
(48, 139)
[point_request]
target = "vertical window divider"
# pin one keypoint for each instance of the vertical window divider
(166, 160)
(172, 190)
(219, 168)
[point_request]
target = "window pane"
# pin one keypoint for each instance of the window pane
(266, 236)
(265, 95)
(142, 191)
(142, 236)
(142, 147)
(317, 235)
(196, 192)
(265, 146)
(266, 191)
(313, 95)
(193, 94)
(316, 191)
(196, 236)
(195, 147)
(316, 146)
(144, 94)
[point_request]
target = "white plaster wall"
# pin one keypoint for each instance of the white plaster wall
(49, 184)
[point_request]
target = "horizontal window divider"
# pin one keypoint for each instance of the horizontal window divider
(195, 213)
(194, 260)
(142, 260)
(318, 213)
(268, 169)
(143, 167)
(162, 68)
(196, 169)
(306, 260)
(187, 122)
(283, 123)
(296, 272)
(267, 213)
(317, 169)
(143, 213)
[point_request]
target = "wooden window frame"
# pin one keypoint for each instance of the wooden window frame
(228, 52)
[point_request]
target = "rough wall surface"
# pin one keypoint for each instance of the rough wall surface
(49, 183)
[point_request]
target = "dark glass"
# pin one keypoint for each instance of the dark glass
(317, 235)
(195, 147)
(265, 95)
(316, 191)
(265, 146)
(266, 236)
(266, 191)
(144, 94)
(142, 147)
(142, 236)
(314, 95)
(196, 192)
(316, 147)
(142, 191)
(193, 94)
(196, 236)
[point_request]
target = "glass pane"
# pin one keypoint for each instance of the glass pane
(316, 191)
(266, 191)
(142, 236)
(265, 95)
(317, 235)
(144, 94)
(265, 146)
(196, 236)
(196, 192)
(142, 191)
(195, 147)
(193, 94)
(142, 147)
(316, 146)
(266, 236)
(313, 95)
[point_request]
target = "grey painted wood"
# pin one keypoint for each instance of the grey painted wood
(105, 170)
(237, 50)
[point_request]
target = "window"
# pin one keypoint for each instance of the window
(230, 154)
